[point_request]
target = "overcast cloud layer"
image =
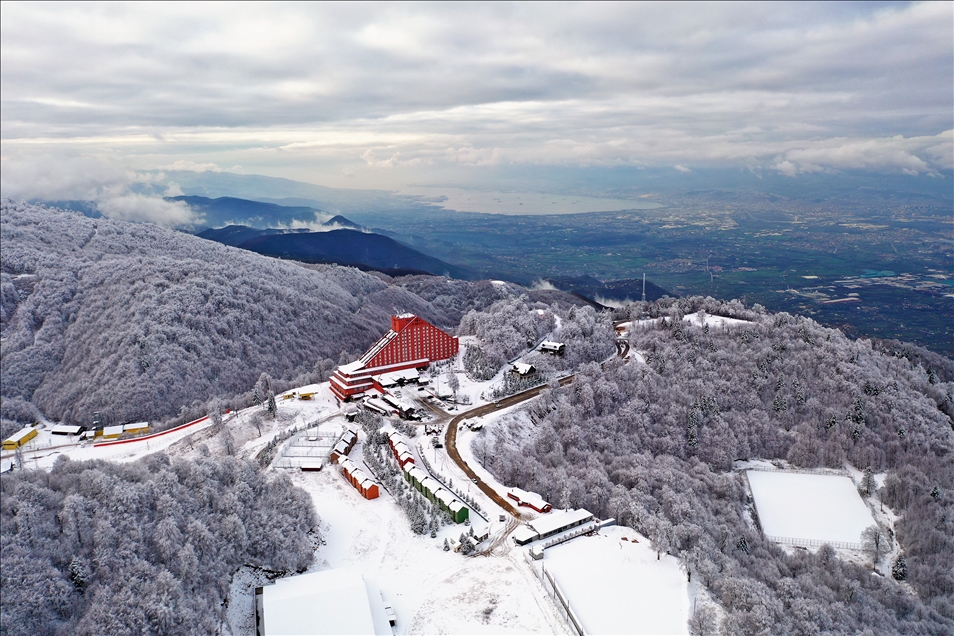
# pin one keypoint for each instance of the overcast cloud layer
(385, 95)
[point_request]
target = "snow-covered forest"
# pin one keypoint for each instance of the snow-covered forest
(509, 327)
(653, 445)
(158, 538)
(142, 323)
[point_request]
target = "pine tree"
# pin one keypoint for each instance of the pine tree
(900, 568)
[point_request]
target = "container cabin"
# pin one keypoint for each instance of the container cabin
(136, 428)
(19, 438)
(112, 432)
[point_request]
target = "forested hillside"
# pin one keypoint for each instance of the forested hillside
(138, 322)
(142, 548)
(653, 445)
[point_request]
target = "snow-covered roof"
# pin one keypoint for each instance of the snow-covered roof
(523, 535)
(445, 497)
(330, 602)
(417, 473)
(550, 344)
(113, 430)
(523, 368)
(394, 377)
(557, 520)
(528, 497)
(377, 403)
(65, 429)
(351, 366)
(430, 484)
(19, 435)
(135, 426)
(377, 347)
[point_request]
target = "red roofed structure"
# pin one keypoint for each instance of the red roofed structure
(412, 343)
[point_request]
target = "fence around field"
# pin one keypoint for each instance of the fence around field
(553, 590)
(795, 541)
(299, 449)
(563, 538)
(814, 543)
(830, 472)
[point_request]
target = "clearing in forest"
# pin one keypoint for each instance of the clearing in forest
(615, 584)
(809, 510)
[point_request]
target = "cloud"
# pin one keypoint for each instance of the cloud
(787, 168)
(913, 156)
(682, 169)
(191, 166)
(140, 208)
(543, 285)
(361, 93)
(104, 182)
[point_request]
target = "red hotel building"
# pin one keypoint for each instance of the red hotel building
(412, 343)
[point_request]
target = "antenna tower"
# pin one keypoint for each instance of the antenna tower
(644, 286)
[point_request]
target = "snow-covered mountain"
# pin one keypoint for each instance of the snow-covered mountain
(139, 322)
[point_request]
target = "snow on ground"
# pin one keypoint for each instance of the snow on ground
(824, 508)
(638, 356)
(519, 423)
(619, 587)
(431, 591)
(446, 468)
(700, 319)
(43, 450)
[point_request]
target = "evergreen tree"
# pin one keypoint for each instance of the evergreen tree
(900, 568)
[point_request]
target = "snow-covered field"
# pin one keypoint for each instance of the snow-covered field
(701, 319)
(618, 587)
(820, 508)
(431, 591)
(698, 319)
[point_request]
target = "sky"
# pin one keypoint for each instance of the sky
(92, 96)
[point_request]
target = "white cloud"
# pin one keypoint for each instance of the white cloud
(787, 168)
(543, 285)
(682, 169)
(140, 208)
(355, 92)
(191, 166)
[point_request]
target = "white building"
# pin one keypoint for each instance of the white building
(549, 346)
(330, 602)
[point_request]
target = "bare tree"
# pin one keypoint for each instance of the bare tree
(875, 543)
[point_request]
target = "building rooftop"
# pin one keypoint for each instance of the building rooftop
(330, 602)
(556, 520)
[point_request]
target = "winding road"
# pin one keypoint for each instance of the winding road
(450, 440)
